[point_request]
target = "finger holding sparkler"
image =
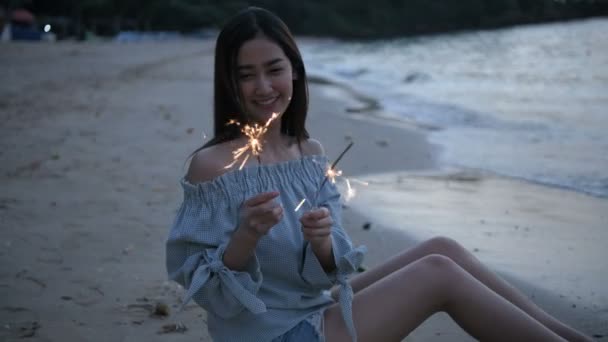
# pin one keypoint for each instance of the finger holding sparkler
(317, 226)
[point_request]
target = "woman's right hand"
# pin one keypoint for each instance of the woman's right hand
(259, 214)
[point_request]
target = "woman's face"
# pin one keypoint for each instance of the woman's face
(265, 78)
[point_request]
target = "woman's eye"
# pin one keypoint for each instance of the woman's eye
(276, 70)
(245, 76)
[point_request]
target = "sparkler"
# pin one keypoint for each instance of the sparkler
(330, 175)
(253, 146)
(300, 204)
(331, 172)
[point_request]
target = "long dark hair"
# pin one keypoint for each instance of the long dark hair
(227, 104)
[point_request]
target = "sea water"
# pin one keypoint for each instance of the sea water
(529, 102)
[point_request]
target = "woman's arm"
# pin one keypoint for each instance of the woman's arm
(239, 250)
(316, 228)
(258, 215)
(325, 254)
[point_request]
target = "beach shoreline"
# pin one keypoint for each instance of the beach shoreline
(94, 140)
(559, 273)
(534, 94)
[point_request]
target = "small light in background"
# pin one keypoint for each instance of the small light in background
(47, 28)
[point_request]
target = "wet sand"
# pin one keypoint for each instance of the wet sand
(94, 138)
(548, 242)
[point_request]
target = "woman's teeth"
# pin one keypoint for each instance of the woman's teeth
(267, 102)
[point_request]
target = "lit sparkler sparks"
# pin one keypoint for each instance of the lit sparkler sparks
(330, 174)
(350, 191)
(300, 204)
(253, 146)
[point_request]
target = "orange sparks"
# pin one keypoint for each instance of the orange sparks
(332, 174)
(253, 146)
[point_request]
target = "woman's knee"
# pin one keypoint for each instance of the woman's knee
(441, 270)
(445, 246)
(439, 273)
(437, 264)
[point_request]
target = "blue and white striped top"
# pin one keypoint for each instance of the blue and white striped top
(283, 282)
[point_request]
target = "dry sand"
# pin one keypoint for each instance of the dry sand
(93, 141)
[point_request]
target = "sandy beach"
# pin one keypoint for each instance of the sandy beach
(94, 139)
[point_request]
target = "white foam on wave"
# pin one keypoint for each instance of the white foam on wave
(527, 102)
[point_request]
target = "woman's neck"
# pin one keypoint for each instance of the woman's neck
(273, 138)
(276, 146)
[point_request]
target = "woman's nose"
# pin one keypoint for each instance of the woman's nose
(263, 85)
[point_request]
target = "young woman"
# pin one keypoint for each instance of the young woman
(263, 271)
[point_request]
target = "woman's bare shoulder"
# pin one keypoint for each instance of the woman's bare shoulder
(209, 163)
(312, 147)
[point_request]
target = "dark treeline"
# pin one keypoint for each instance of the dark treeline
(339, 18)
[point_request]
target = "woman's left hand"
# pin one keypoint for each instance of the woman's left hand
(316, 227)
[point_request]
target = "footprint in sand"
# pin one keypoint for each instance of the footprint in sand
(87, 293)
(23, 282)
(19, 323)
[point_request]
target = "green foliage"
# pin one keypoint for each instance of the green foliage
(344, 18)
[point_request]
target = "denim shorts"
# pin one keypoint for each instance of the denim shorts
(309, 330)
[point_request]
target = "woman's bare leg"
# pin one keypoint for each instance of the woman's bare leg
(390, 308)
(466, 260)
